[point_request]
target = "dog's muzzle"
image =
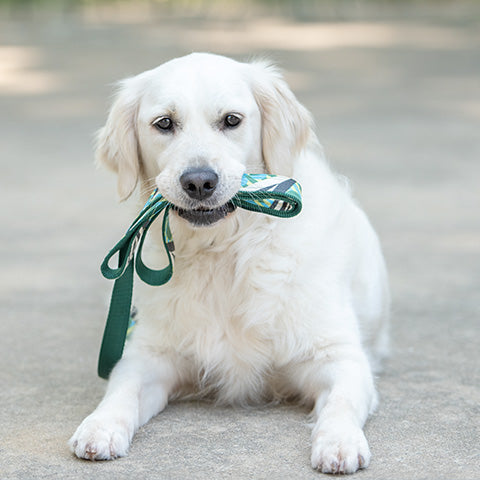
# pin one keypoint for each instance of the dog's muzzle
(200, 183)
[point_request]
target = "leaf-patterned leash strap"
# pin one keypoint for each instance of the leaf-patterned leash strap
(264, 193)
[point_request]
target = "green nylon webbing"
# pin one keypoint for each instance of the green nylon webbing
(263, 193)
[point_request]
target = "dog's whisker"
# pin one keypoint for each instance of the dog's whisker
(147, 186)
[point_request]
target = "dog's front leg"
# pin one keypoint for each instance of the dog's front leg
(345, 396)
(138, 389)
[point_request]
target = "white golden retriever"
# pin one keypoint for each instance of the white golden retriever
(259, 308)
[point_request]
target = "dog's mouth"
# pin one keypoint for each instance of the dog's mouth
(203, 216)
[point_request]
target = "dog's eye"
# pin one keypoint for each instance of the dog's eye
(163, 124)
(232, 120)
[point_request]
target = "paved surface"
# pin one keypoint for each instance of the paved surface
(396, 96)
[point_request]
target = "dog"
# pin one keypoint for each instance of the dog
(259, 309)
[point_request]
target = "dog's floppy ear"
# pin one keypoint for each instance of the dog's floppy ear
(286, 124)
(117, 143)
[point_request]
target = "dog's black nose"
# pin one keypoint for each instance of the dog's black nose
(199, 183)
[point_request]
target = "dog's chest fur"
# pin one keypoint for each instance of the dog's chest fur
(219, 312)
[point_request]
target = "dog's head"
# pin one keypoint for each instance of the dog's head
(195, 125)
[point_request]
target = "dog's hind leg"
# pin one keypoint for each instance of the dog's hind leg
(138, 389)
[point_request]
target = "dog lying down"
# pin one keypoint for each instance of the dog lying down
(259, 308)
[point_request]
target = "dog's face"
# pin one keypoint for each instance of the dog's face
(195, 125)
(198, 122)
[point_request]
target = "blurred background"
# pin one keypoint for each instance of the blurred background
(394, 87)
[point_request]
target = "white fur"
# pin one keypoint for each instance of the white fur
(258, 308)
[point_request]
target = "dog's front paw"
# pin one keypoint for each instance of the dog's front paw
(101, 438)
(342, 450)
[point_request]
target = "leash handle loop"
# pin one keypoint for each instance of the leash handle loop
(148, 275)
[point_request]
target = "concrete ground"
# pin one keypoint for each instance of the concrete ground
(396, 97)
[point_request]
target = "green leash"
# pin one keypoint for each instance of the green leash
(263, 193)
